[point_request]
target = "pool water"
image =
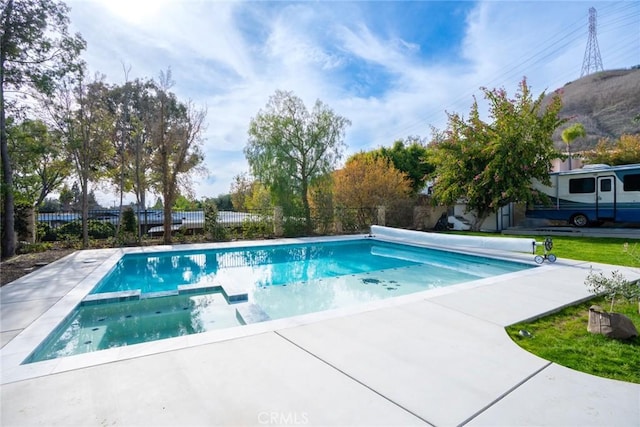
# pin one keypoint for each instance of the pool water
(277, 281)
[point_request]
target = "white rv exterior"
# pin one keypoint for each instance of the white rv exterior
(591, 195)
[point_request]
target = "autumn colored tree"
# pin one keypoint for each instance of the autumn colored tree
(409, 156)
(492, 164)
(368, 182)
(623, 151)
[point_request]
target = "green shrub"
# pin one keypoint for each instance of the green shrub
(129, 221)
(97, 230)
(28, 248)
(294, 227)
(611, 287)
(252, 228)
(212, 227)
(44, 232)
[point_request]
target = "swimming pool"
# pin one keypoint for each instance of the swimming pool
(148, 297)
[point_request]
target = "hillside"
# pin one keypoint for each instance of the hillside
(605, 103)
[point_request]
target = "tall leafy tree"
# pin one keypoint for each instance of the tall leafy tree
(36, 49)
(490, 165)
(289, 147)
(38, 160)
(87, 125)
(176, 139)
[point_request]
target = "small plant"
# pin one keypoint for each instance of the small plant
(27, 248)
(129, 229)
(294, 227)
(212, 227)
(611, 287)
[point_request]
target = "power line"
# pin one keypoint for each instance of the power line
(554, 44)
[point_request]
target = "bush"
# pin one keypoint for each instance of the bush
(97, 230)
(294, 227)
(45, 233)
(128, 228)
(252, 228)
(212, 227)
(615, 286)
(28, 248)
(129, 221)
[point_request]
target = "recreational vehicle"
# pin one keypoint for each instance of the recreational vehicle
(591, 195)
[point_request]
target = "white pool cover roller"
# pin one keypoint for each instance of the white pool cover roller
(512, 244)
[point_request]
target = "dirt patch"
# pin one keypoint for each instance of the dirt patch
(21, 265)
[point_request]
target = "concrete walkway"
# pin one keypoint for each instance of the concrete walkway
(435, 358)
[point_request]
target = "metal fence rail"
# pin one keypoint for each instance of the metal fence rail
(104, 223)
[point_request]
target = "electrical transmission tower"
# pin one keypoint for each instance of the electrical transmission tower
(592, 61)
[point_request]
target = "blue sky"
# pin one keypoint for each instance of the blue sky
(392, 68)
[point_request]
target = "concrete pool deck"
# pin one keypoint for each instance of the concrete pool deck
(438, 358)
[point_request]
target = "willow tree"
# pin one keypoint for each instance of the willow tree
(492, 164)
(36, 49)
(289, 147)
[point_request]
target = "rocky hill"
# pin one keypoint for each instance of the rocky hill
(606, 103)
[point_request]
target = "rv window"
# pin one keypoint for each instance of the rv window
(631, 182)
(582, 185)
(605, 185)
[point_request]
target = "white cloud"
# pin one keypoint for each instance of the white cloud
(231, 56)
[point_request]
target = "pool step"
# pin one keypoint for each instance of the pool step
(111, 297)
(251, 313)
(234, 293)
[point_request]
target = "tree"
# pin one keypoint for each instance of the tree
(133, 105)
(489, 165)
(365, 183)
(240, 192)
(409, 156)
(289, 147)
(176, 139)
(574, 131)
(82, 115)
(624, 151)
(369, 181)
(66, 198)
(38, 160)
(158, 205)
(35, 50)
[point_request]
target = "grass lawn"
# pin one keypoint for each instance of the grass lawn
(563, 338)
(606, 250)
(597, 249)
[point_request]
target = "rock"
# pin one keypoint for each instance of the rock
(611, 325)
